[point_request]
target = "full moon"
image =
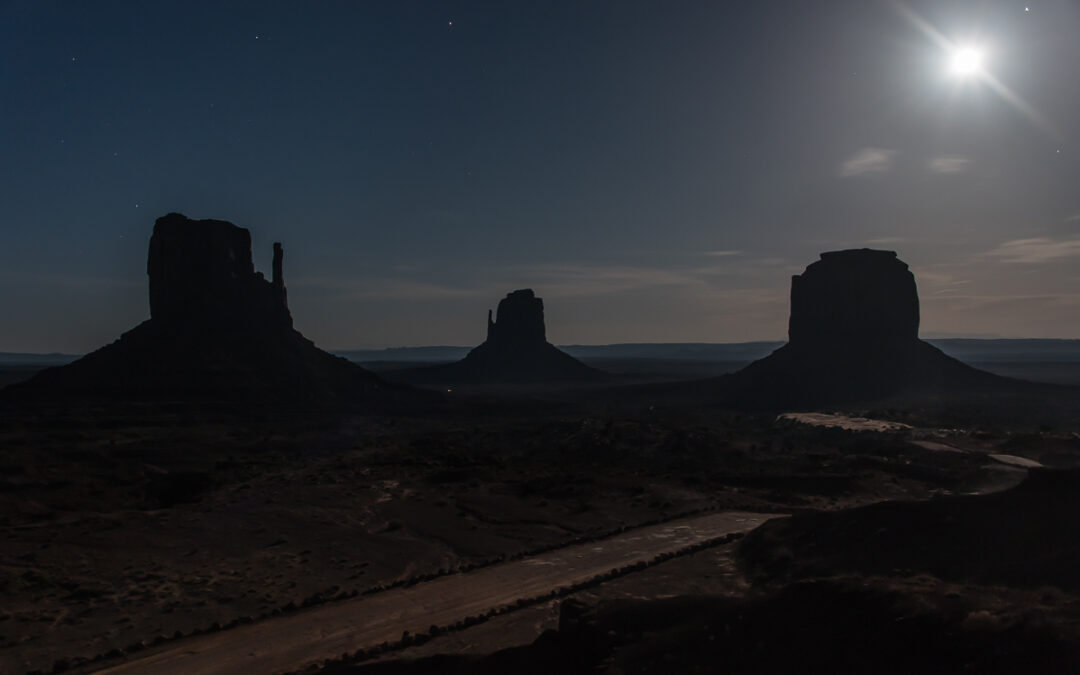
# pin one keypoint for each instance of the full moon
(966, 61)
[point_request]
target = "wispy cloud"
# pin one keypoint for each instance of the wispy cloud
(867, 161)
(881, 241)
(1037, 250)
(948, 165)
(1073, 219)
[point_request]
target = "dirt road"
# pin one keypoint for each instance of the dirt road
(292, 642)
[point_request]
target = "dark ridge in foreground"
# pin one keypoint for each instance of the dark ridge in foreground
(833, 608)
(516, 351)
(219, 331)
(852, 338)
(1025, 537)
(812, 627)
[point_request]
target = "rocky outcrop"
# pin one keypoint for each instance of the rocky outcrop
(218, 331)
(853, 337)
(516, 351)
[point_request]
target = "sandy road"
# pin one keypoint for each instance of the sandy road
(849, 423)
(292, 642)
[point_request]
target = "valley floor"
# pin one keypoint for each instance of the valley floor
(128, 531)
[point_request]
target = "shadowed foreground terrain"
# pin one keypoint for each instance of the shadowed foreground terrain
(121, 531)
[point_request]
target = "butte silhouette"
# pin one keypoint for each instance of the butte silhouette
(516, 351)
(853, 336)
(218, 330)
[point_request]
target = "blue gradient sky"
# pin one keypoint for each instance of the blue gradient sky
(656, 171)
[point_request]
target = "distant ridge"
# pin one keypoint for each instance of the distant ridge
(969, 350)
(676, 351)
(28, 359)
(1066, 350)
(405, 354)
(989, 350)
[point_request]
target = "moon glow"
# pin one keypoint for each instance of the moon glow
(966, 61)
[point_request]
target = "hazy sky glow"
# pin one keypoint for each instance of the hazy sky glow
(655, 171)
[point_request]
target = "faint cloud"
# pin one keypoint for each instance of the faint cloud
(951, 287)
(948, 165)
(932, 282)
(723, 254)
(731, 280)
(1073, 219)
(1037, 250)
(382, 288)
(879, 241)
(1009, 314)
(571, 280)
(867, 161)
(555, 280)
(940, 278)
(81, 282)
(1039, 303)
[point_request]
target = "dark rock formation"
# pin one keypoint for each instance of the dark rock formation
(853, 337)
(218, 331)
(516, 351)
(520, 320)
(854, 297)
(201, 272)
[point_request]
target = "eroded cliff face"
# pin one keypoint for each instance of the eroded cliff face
(858, 296)
(201, 273)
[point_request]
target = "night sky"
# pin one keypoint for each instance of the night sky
(655, 171)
